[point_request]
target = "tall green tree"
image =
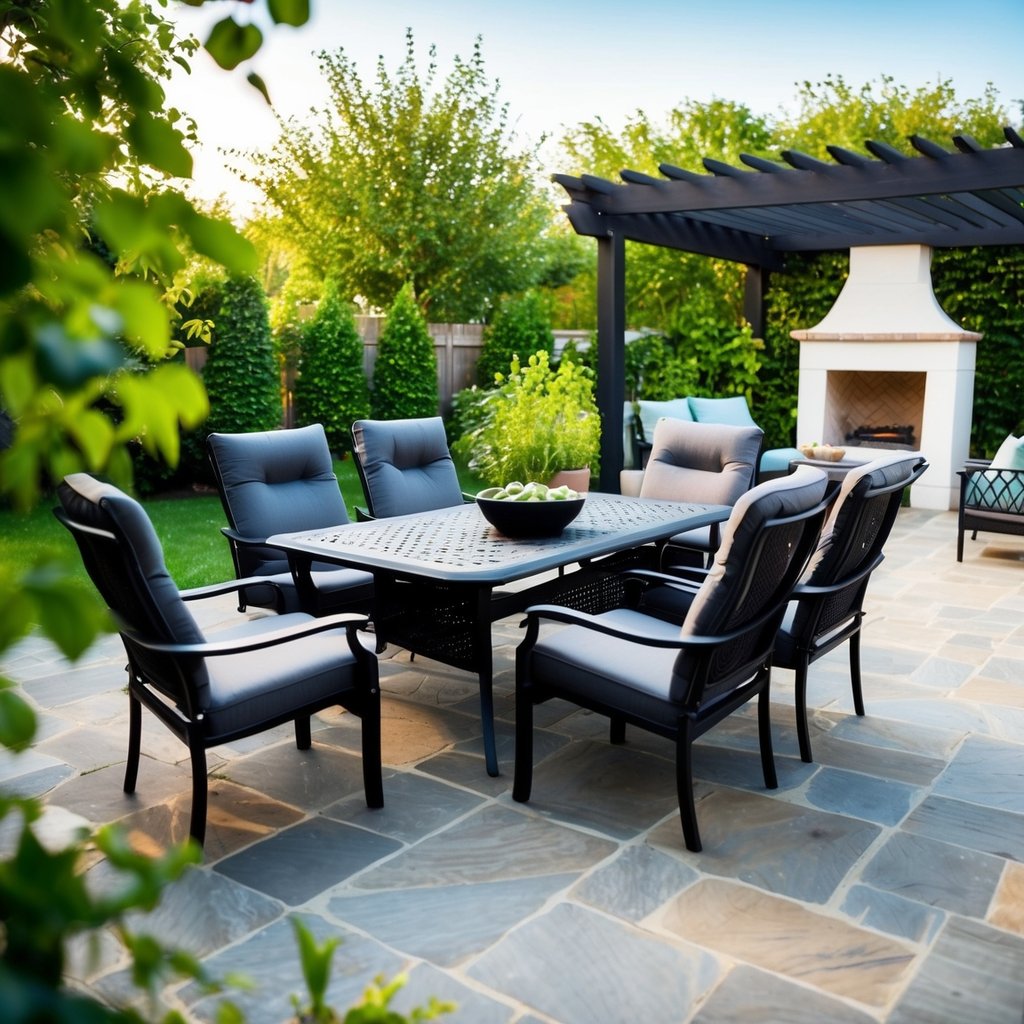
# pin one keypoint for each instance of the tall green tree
(521, 327)
(409, 179)
(331, 386)
(405, 371)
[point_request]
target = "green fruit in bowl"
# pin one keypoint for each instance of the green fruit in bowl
(532, 491)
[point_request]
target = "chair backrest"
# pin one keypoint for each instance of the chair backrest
(857, 527)
(125, 561)
(765, 545)
(275, 481)
(405, 466)
(701, 462)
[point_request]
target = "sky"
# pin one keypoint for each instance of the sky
(562, 63)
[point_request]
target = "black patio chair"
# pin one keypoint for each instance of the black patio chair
(991, 500)
(282, 481)
(679, 681)
(208, 691)
(827, 607)
(405, 466)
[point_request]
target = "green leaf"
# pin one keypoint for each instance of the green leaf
(289, 12)
(230, 43)
(17, 721)
(94, 434)
(146, 320)
(257, 83)
(219, 240)
(160, 145)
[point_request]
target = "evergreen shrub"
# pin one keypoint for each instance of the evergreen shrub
(331, 386)
(405, 372)
(520, 327)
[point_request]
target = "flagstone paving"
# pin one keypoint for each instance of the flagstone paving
(883, 882)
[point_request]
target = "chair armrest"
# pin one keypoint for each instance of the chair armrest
(227, 587)
(351, 622)
(363, 514)
(809, 590)
(247, 542)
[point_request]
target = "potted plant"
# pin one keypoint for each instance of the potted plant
(538, 423)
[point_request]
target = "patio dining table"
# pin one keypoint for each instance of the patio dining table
(441, 578)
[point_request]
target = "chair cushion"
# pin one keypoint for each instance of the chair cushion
(777, 460)
(101, 505)
(245, 690)
(734, 411)
(633, 677)
(889, 469)
(278, 481)
(996, 490)
(785, 496)
(406, 466)
(701, 462)
(651, 412)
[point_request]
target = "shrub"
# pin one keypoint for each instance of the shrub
(241, 374)
(520, 327)
(331, 386)
(405, 372)
(537, 422)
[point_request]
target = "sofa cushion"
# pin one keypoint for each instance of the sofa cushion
(733, 411)
(651, 412)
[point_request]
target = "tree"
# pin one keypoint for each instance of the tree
(331, 387)
(409, 180)
(521, 327)
(405, 372)
(241, 374)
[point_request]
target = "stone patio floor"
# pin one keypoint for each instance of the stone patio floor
(884, 882)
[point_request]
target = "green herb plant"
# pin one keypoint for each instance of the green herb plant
(537, 422)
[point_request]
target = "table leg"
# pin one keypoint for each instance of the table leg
(485, 672)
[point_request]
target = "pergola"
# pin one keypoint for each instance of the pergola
(942, 198)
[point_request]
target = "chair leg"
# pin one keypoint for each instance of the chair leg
(960, 544)
(523, 780)
(197, 823)
(131, 768)
(684, 787)
(764, 733)
(858, 694)
(373, 785)
(303, 735)
(617, 730)
(800, 695)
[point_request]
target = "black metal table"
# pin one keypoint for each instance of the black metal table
(437, 574)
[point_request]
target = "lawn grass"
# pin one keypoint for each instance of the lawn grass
(187, 524)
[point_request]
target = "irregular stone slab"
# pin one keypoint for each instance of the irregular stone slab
(892, 914)
(934, 745)
(750, 996)
(973, 974)
(635, 883)
(771, 843)
(471, 1005)
(445, 924)
(270, 960)
(860, 796)
(310, 779)
(100, 796)
(986, 771)
(466, 770)
(935, 873)
(495, 843)
(296, 864)
(842, 748)
(781, 936)
(578, 967)
(414, 806)
(88, 749)
(1007, 910)
(967, 824)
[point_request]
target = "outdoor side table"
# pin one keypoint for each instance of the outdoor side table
(436, 573)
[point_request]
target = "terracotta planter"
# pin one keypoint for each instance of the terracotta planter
(577, 479)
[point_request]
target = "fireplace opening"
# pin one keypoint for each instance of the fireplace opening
(888, 436)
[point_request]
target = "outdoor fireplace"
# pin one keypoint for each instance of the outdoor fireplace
(888, 369)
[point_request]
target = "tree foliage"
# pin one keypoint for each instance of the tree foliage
(520, 327)
(331, 387)
(409, 180)
(405, 371)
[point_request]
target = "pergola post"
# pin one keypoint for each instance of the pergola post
(755, 288)
(611, 354)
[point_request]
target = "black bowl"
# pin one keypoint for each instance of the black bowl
(528, 519)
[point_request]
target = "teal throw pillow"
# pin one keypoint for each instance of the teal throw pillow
(651, 412)
(733, 412)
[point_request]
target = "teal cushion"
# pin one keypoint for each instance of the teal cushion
(651, 412)
(732, 411)
(1000, 490)
(777, 460)
(1010, 454)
